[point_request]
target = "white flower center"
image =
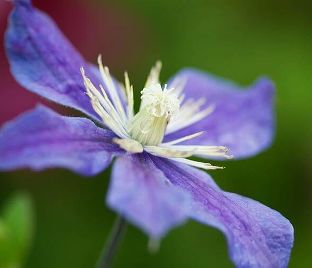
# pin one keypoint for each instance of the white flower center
(162, 111)
(158, 106)
(160, 102)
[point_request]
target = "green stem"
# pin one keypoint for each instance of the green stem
(112, 243)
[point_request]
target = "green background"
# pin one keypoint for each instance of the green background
(239, 40)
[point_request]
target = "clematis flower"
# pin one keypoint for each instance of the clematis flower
(154, 184)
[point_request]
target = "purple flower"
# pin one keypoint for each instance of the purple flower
(154, 184)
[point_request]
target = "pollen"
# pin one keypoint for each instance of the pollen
(163, 110)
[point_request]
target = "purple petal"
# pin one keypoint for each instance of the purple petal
(43, 60)
(243, 120)
(257, 235)
(42, 139)
(141, 193)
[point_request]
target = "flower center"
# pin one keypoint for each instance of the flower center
(157, 107)
(161, 112)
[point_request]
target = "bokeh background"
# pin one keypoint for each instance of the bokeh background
(239, 40)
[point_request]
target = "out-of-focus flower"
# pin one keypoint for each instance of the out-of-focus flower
(154, 184)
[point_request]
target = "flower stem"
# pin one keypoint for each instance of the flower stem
(112, 243)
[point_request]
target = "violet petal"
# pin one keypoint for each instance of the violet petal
(143, 195)
(257, 236)
(243, 119)
(41, 139)
(44, 61)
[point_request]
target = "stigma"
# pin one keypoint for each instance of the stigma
(162, 111)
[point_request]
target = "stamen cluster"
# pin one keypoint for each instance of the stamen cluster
(162, 111)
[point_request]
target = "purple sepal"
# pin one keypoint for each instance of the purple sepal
(243, 119)
(44, 61)
(41, 139)
(143, 195)
(257, 236)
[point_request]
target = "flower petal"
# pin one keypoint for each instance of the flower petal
(257, 235)
(43, 60)
(242, 120)
(141, 193)
(42, 139)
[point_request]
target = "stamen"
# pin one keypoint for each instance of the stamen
(111, 88)
(108, 121)
(129, 145)
(199, 116)
(202, 150)
(104, 108)
(189, 150)
(167, 152)
(189, 114)
(185, 138)
(178, 85)
(110, 107)
(153, 77)
(129, 94)
(206, 166)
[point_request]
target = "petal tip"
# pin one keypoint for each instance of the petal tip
(264, 83)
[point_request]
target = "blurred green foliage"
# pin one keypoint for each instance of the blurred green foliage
(16, 230)
(239, 40)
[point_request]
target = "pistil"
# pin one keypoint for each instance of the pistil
(157, 107)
